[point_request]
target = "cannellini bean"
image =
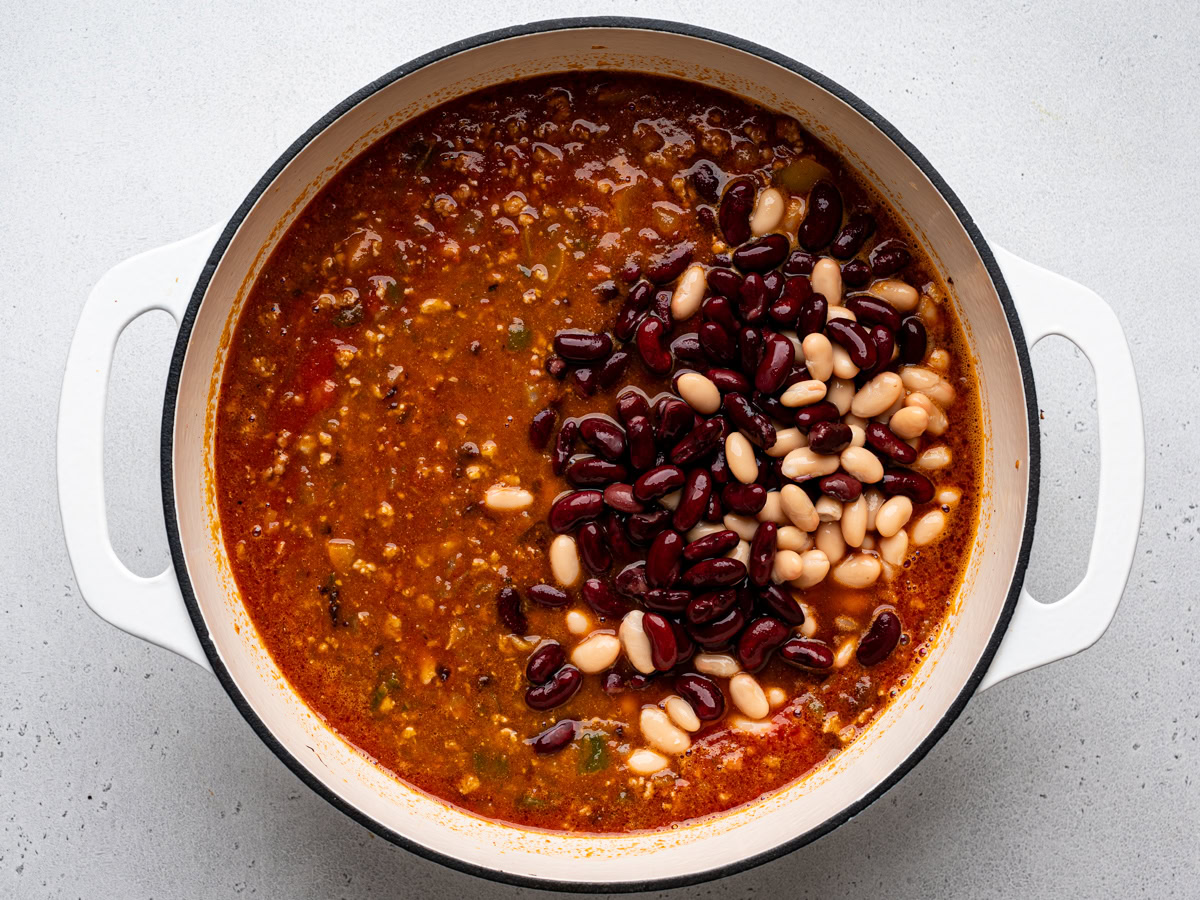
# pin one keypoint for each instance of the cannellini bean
(839, 312)
(745, 526)
(854, 522)
(671, 500)
(893, 515)
(840, 394)
(818, 355)
(699, 392)
(635, 643)
(646, 762)
(809, 627)
(939, 359)
(747, 695)
(877, 395)
(828, 509)
(689, 292)
(868, 541)
(902, 296)
(793, 215)
(787, 440)
(830, 542)
(798, 507)
(776, 696)
(929, 311)
(949, 496)
(718, 665)
(826, 279)
(886, 415)
(844, 653)
(704, 529)
(768, 213)
(918, 378)
(681, 713)
(858, 436)
(740, 552)
(859, 570)
(739, 453)
(564, 560)
(851, 419)
(577, 622)
(596, 652)
(786, 566)
(772, 510)
(804, 393)
(895, 548)
(875, 500)
(816, 567)
(936, 421)
(789, 537)
(795, 341)
(862, 464)
(843, 367)
(928, 528)
(804, 463)
(909, 422)
(661, 733)
(942, 393)
(934, 458)
(505, 498)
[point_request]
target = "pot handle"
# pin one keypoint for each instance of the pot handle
(1041, 633)
(149, 608)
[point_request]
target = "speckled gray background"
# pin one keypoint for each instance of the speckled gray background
(1070, 131)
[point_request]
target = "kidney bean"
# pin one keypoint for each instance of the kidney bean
(685, 647)
(631, 580)
(639, 681)
(564, 445)
(548, 595)
(664, 560)
(592, 471)
(718, 634)
(703, 694)
(604, 435)
(750, 348)
(612, 682)
(618, 538)
(613, 369)
(540, 427)
(762, 554)
(770, 474)
(806, 653)
(716, 544)
(778, 356)
(649, 341)
(644, 526)
(773, 284)
(760, 639)
(761, 254)
(743, 499)
(799, 262)
(786, 310)
(640, 435)
(856, 340)
(725, 282)
(752, 301)
(585, 381)
(886, 441)
(668, 266)
(912, 340)
(733, 214)
(632, 402)
(856, 273)
(884, 342)
(779, 603)
(557, 691)
(574, 509)
(723, 311)
(545, 661)
(809, 416)
(859, 227)
(813, 313)
(714, 511)
(658, 481)
(712, 573)
(771, 405)
(670, 600)
(508, 610)
(582, 346)
(627, 320)
(841, 486)
(663, 647)
(686, 348)
(675, 419)
(913, 485)
(829, 437)
(704, 178)
(554, 738)
(872, 310)
(603, 600)
(661, 306)
(710, 606)
(620, 497)
(756, 426)
(729, 381)
(698, 443)
(889, 257)
(718, 343)
(593, 551)
(693, 500)
(824, 215)
(880, 640)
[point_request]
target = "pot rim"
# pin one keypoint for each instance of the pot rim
(168, 479)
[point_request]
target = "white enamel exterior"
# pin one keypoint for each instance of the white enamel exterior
(153, 609)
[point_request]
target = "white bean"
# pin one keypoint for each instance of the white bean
(748, 696)
(798, 507)
(635, 643)
(934, 458)
(843, 366)
(895, 548)
(828, 509)
(859, 570)
(909, 422)
(803, 393)
(744, 526)
(787, 440)
(699, 392)
(768, 212)
(858, 436)
(704, 529)
(816, 567)
(793, 215)
(772, 510)
(564, 560)
(844, 653)
(939, 359)
(829, 541)
(689, 292)
(942, 393)
(918, 378)
(862, 464)
(803, 463)
(789, 537)
(740, 552)
(661, 733)
(577, 622)
(949, 496)
(854, 521)
(681, 713)
(826, 279)
(718, 665)
(875, 500)
(877, 395)
(646, 762)
(786, 566)
(818, 355)
(671, 501)
(739, 453)
(936, 421)
(505, 498)
(839, 312)
(596, 652)
(893, 515)
(896, 292)
(840, 394)
(928, 528)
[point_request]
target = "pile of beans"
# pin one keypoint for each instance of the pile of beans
(783, 454)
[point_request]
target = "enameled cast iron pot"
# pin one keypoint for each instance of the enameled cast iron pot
(996, 630)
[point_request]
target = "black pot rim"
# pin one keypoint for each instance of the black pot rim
(168, 480)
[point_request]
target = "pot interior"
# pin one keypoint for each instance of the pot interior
(685, 852)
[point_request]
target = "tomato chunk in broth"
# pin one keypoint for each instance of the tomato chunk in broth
(755, 556)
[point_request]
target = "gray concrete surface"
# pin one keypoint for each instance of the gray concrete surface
(1070, 132)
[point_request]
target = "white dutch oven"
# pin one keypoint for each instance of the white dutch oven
(997, 629)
